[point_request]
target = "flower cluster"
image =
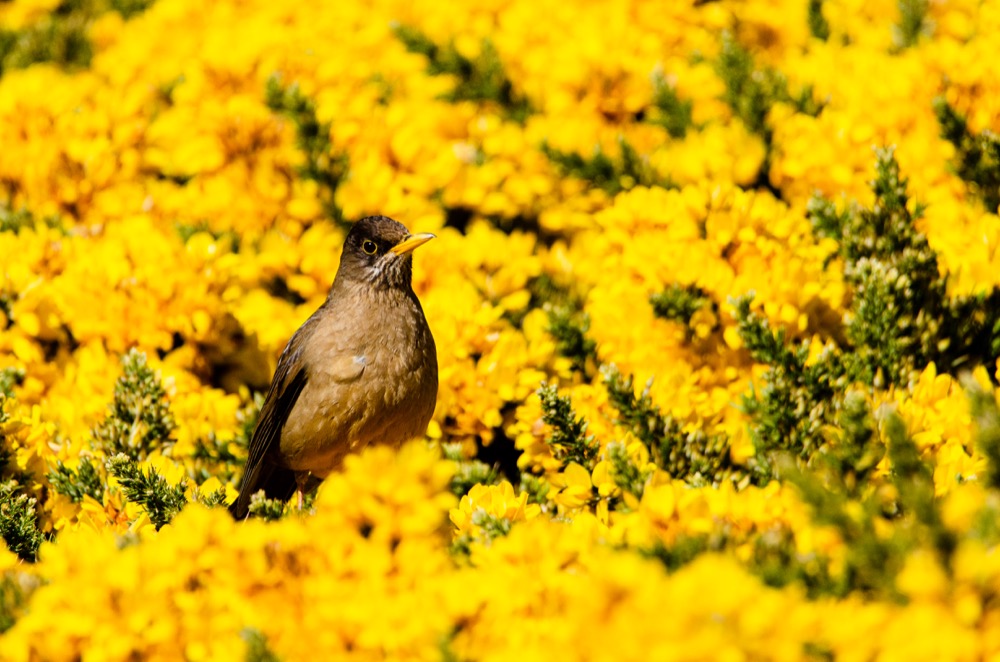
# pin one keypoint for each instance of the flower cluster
(715, 293)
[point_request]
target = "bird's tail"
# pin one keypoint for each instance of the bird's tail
(277, 483)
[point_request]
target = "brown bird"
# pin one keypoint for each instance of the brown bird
(361, 370)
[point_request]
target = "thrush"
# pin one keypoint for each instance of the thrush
(361, 370)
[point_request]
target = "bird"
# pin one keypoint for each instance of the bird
(361, 370)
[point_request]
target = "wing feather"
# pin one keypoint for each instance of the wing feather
(289, 379)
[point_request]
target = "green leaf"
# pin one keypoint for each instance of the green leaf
(18, 521)
(78, 483)
(602, 171)
(569, 437)
(323, 165)
(139, 418)
(161, 500)
(482, 79)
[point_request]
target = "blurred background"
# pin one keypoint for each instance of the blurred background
(721, 233)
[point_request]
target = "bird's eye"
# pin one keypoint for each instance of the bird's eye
(369, 247)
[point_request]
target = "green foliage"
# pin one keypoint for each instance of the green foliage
(188, 230)
(257, 648)
(605, 172)
(901, 319)
(868, 566)
(901, 316)
(913, 479)
(680, 552)
(5, 451)
(977, 155)
(546, 293)
(78, 483)
(18, 521)
(796, 399)
(9, 379)
(569, 439)
(222, 459)
(490, 526)
(841, 472)
(6, 309)
(913, 22)
(139, 418)
(213, 499)
(690, 455)
(131, 8)
(640, 415)
(569, 326)
(858, 450)
(267, 509)
(247, 418)
(775, 559)
(215, 457)
(13, 598)
(669, 110)
(985, 525)
(751, 90)
(626, 474)
(887, 349)
(468, 473)
(323, 164)
(818, 25)
(679, 303)
(61, 36)
(986, 415)
(446, 650)
(15, 220)
(536, 487)
(161, 500)
(884, 230)
(860, 508)
(482, 79)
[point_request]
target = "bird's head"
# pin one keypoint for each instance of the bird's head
(377, 251)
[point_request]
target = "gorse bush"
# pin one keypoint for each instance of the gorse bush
(139, 418)
(717, 326)
(481, 79)
(322, 165)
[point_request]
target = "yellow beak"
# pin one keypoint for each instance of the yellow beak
(411, 242)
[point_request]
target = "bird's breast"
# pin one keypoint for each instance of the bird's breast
(368, 384)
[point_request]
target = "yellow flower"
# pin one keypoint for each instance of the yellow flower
(922, 577)
(497, 501)
(156, 199)
(603, 480)
(575, 487)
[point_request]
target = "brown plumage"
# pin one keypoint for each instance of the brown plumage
(361, 370)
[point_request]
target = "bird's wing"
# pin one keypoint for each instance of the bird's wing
(289, 380)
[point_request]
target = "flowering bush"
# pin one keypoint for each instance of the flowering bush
(716, 293)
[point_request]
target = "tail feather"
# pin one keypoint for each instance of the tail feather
(277, 483)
